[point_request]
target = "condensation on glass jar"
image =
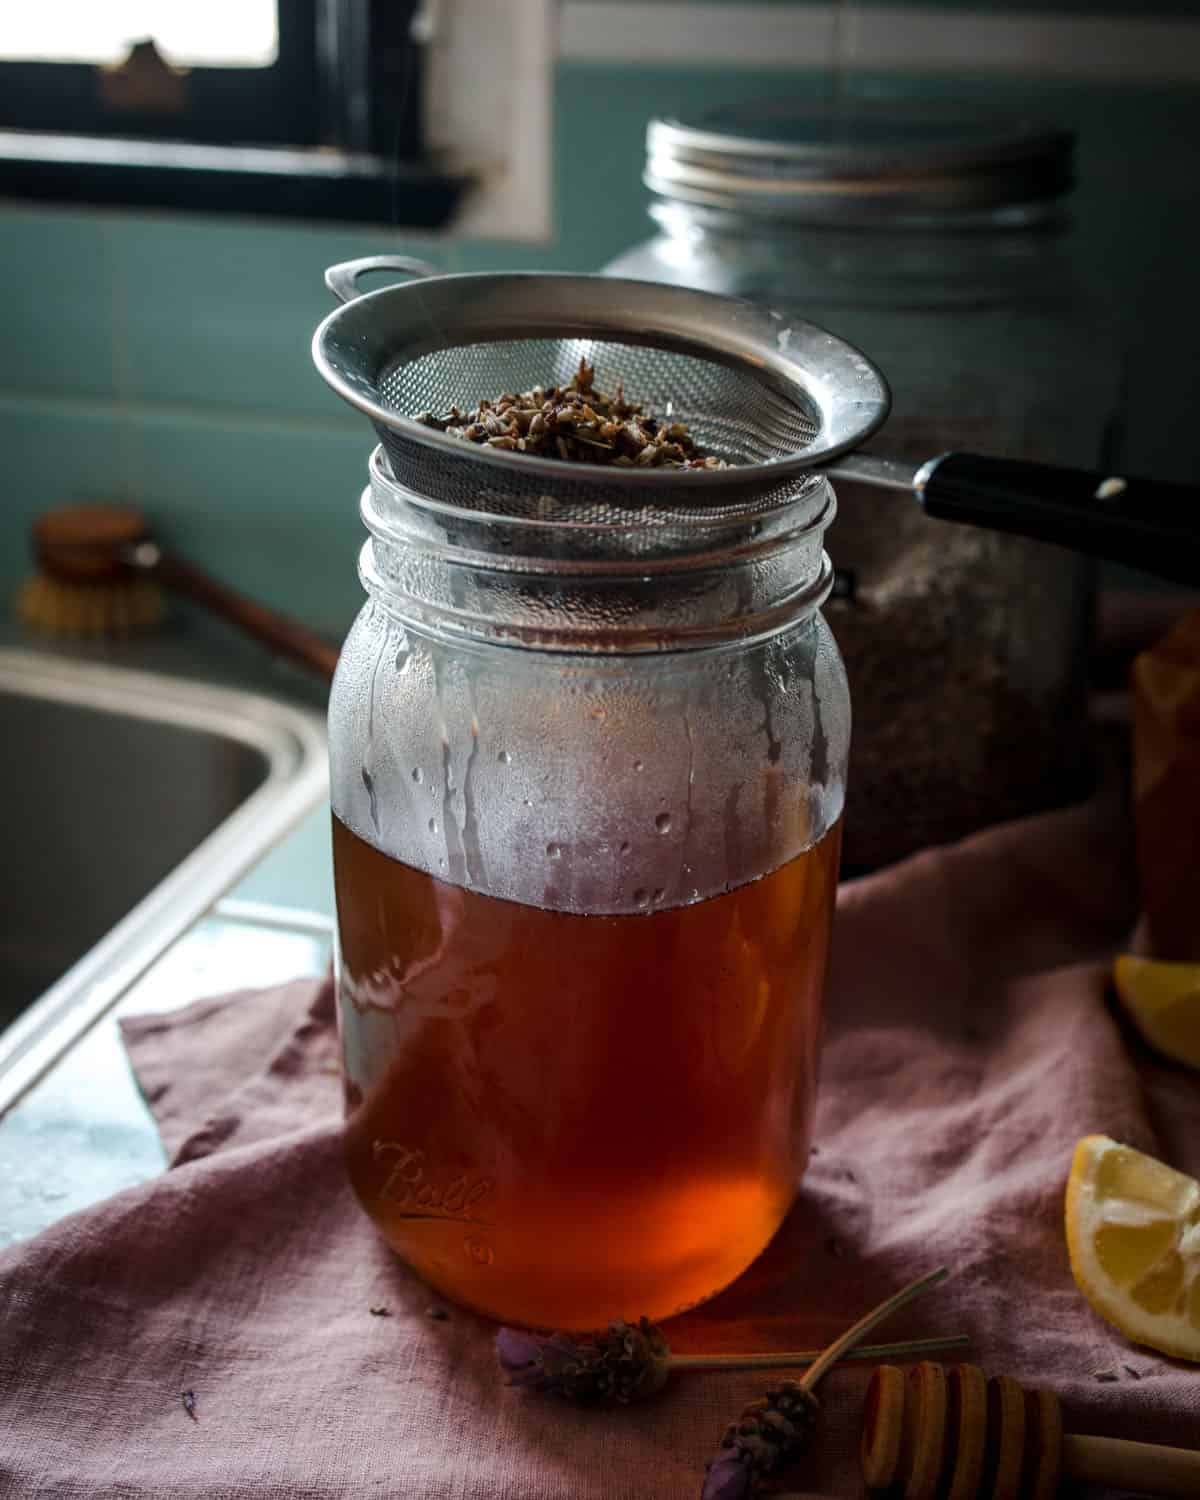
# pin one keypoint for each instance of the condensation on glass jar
(587, 783)
(941, 246)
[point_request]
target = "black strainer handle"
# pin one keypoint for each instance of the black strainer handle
(1141, 523)
(342, 280)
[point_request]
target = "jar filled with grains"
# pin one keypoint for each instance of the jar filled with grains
(942, 247)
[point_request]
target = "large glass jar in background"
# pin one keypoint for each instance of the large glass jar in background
(587, 782)
(941, 247)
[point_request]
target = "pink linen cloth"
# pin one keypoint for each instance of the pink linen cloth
(971, 1042)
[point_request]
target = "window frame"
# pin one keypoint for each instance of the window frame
(262, 106)
(331, 130)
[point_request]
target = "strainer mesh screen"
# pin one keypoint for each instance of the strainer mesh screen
(732, 410)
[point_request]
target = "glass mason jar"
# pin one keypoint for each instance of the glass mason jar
(941, 247)
(587, 783)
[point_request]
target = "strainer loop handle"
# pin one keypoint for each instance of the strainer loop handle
(342, 280)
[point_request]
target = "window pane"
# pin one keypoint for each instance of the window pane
(214, 33)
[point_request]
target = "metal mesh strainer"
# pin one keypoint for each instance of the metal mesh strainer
(771, 395)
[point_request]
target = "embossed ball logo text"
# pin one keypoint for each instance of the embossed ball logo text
(411, 1186)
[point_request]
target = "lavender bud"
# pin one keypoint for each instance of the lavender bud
(519, 1355)
(626, 1362)
(729, 1477)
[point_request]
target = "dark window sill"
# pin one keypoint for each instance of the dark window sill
(279, 182)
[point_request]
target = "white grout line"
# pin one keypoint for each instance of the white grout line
(1118, 48)
(17, 401)
(791, 36)
(902, 38)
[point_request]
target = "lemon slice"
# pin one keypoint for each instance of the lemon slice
(1133, 1232)
(1163, 1000)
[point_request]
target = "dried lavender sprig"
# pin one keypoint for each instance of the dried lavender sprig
(775, 1430)
(795, 1358)
(768, 1434)
(854, 1335)
(628, 1363)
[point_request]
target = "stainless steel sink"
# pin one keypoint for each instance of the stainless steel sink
(130, 801)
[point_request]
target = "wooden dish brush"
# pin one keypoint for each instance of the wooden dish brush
(101, 573)
(939, 1434)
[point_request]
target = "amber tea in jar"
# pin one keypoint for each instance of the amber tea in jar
(586, 828)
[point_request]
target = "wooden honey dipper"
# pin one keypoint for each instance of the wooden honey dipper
(939, 1434)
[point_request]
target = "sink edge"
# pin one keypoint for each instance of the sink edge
(293, 744)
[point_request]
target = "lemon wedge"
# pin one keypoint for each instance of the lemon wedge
(1163, 1000)
(1133, 1232)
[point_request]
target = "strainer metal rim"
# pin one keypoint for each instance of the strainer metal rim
(846, 387)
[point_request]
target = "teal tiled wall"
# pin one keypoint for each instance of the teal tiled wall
(166, 359)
